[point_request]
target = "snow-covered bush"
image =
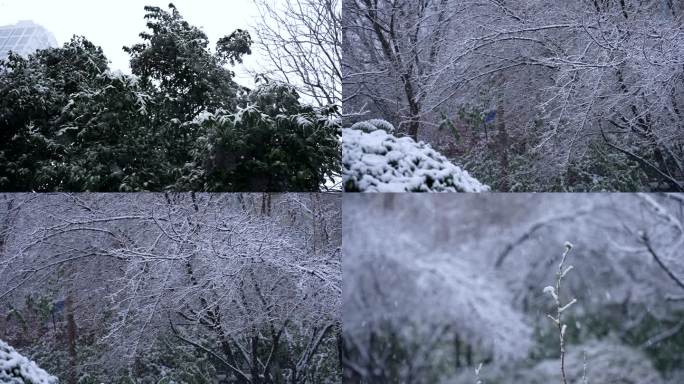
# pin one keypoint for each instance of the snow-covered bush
(17, 369)
(374, 160)
(371, 125)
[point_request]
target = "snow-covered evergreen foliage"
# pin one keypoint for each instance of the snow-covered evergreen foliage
(17, 369)
(369, 126)
(374, 160)
(443, 290)
(274, 143)
(68, 123)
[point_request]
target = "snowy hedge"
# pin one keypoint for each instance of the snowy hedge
(374, 160)
(17, 369)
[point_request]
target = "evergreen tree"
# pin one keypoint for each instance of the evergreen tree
(67, 123)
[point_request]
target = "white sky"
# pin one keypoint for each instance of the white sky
(117, 23)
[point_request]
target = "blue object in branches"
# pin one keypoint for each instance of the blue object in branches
(58, 307)
(489, 118)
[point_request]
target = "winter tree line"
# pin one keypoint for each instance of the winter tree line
(480, 289)
(527, 95)
(173, 287)
(180, 121)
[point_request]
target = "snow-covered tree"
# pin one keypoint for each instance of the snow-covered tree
(69, 124)
(439, 285)
(246, 287)
(302, 41)
(532, 95)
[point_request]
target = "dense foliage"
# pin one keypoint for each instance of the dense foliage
(69, 123)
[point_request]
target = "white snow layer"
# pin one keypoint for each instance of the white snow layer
(17, 369)
(376, 161)
(374, 125)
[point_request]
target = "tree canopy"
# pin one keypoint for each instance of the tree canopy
(179, 121)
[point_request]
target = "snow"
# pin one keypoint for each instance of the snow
(374, 125)
(437, 258)
(17, 369)
(567, 306)
(202, 117)
(605, 361)
(570, 268)
(220, 116)
(130, 80)
(374, 160)
(303, 121)
(550, 291)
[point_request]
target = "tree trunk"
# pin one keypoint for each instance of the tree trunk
(469, 355)
(503, 142)
(71, 339)
(255, 363)
(340, 349)
(457, 351)
(414, 108)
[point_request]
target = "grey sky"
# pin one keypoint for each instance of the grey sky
(113, 24)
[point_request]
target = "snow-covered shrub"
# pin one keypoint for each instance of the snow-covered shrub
(374, 160)
(17, 369)
(410, 312)
(371, 125)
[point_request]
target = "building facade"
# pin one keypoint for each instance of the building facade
(24, 38)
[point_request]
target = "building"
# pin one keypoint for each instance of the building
(24, 38)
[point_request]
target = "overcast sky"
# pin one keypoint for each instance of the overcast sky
(113, 24)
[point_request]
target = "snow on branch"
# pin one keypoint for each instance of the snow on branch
(560, 307)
